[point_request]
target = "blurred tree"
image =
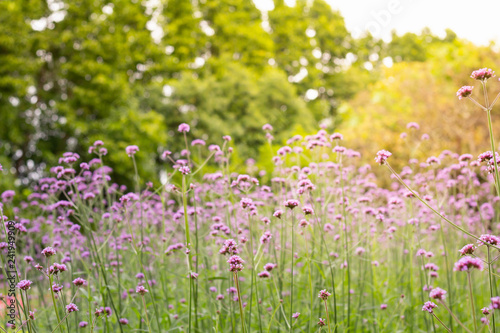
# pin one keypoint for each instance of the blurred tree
(185, 35)
(19, 118)
(96, 59)
(236, 33)
(423, 92)
(237, 103)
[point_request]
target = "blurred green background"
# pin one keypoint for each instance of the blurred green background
(129, 72)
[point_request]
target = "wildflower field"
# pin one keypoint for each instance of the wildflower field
(323, 246)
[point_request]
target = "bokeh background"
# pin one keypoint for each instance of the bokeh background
(129, 72)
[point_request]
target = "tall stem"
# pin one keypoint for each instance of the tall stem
(327, 318)
(472, 302)
(146, 312)
(491, 288)
(242, 316)
(188, 243)
(492, 143)
(442, 324)
(54, 302)
(291, 278)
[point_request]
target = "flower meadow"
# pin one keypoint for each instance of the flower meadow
(320, 247)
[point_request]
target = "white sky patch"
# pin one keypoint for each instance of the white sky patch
(312, 94)
(476, 21)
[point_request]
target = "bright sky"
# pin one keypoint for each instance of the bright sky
(476, 20)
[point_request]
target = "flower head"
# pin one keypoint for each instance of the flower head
(185, 170)
(246, 203)
(131, 150)
(482, 74)
(235, 263)
(495, 303)
(488, 239)
(183, 128)
(141, 290)
(467, 249)
(468, 263)
(464, 92)
(24, 285)
(382, 156)
(291, 203)
(71, 307)
(230, 247)
(323, 294)
(296, 315)
(48, 251)
(429, 307)
(438, 293)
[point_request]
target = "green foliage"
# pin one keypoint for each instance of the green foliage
(129, 72)
(237, 103)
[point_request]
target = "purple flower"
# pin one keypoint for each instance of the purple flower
(71, 308)
(131, 150)
(24, 285)
(323, 294)
(141, 290)
(307, 211)
(464, 92)
(488, 239)
(264, 274)
(467, 249)
(336, 136)
(482, 74)
(269, 267)
(235, 263)
(123, 321)
(291, 203)
(468, 263)
(246, 203)
(321, 322)
(48, 252)
(230, 247)
(383, 306)
(267, 128)
(83, 324)
(429, 307)
(296, 315)
(79, 282)
(183, 128)
(382, 156)
(438, 293)
(413, 125)
(495, 303)
(185, 170)
(56, 288)
(8, 195)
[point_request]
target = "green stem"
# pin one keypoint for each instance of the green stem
(442, 324)
(146, 312)
(54, 302)
(472, 302)
(291, 278)
(491, 287)
(242, 316)
(492, 143)
(327, 318)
